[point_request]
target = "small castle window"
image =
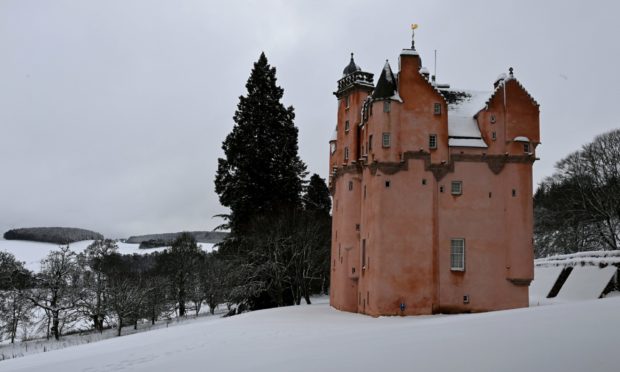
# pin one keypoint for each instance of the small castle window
(526, 147)
(386, 106)
(387, 183)
(332, 148)
(457, 187)
(493, 119)
(514, 193)
(364, 191)
(346, 153)
(387, 140)
(432, 141)
(347, 101)
(370, 142)
(457, 254)
(346, 126)
(424, 181)
(440, 188)
(494, 136)
(437, 108)
(363, 254)
(350, 185)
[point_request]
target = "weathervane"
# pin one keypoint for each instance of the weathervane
(413, 27)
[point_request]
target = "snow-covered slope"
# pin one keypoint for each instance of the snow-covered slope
(33, 252)
(581, 336)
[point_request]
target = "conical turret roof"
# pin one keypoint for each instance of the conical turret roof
(386, 86)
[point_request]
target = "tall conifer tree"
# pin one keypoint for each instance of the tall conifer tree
(261, 172)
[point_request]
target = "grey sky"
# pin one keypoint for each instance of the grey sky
(112, 113)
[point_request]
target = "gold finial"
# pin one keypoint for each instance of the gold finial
(413, 27)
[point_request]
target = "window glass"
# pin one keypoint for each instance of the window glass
(387, 140)
(457, 254)
(457, 187)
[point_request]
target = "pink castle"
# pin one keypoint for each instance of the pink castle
(432, 193)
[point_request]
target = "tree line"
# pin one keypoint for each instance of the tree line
(103, 288)
(578, 207)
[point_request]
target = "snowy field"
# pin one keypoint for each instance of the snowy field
(580, 336)
(33, 252)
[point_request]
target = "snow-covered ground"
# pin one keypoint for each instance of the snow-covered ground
(33, 252)
(580, 336)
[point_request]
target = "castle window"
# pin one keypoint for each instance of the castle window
(387, 140)
(457, 187)
(386, 106)
(346, 153)
(492, 118)
(332, 148)
(457, 254)
(363, 254)
(432, 141)
(494, 136)
(370, 142)
(437, 108)
(346, 126)
(514, 193)
(526, 147)
(424, 181)
(387, 183)
(350, 185)
(364, 191)
(347, 101)
(440, 188)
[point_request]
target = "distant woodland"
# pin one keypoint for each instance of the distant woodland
(578, 207)
(57, 235)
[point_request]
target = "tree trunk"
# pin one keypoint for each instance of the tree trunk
(120, 326)
(56, 324)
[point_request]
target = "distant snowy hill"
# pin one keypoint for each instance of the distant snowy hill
(581, 336)
(33, 252)
(211, 237)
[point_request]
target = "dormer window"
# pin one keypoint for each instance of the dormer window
(437, 108)
(526, 147)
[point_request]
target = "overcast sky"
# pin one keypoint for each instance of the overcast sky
(112, 113)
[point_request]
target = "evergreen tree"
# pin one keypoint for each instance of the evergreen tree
(316, 197)
(261, 172)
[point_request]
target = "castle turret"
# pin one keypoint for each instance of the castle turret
(353, 89)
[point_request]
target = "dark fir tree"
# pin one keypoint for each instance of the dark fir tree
(316, 197)
(261, 172)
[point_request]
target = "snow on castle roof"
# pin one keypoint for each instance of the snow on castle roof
(463, 105)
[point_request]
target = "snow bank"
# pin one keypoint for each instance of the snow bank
(591, 258)
(564, 337)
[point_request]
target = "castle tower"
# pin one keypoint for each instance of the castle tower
(353, 89)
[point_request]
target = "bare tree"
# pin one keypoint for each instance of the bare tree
(57, 291)
(578, 208)
(15, 306)
(92, 302)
